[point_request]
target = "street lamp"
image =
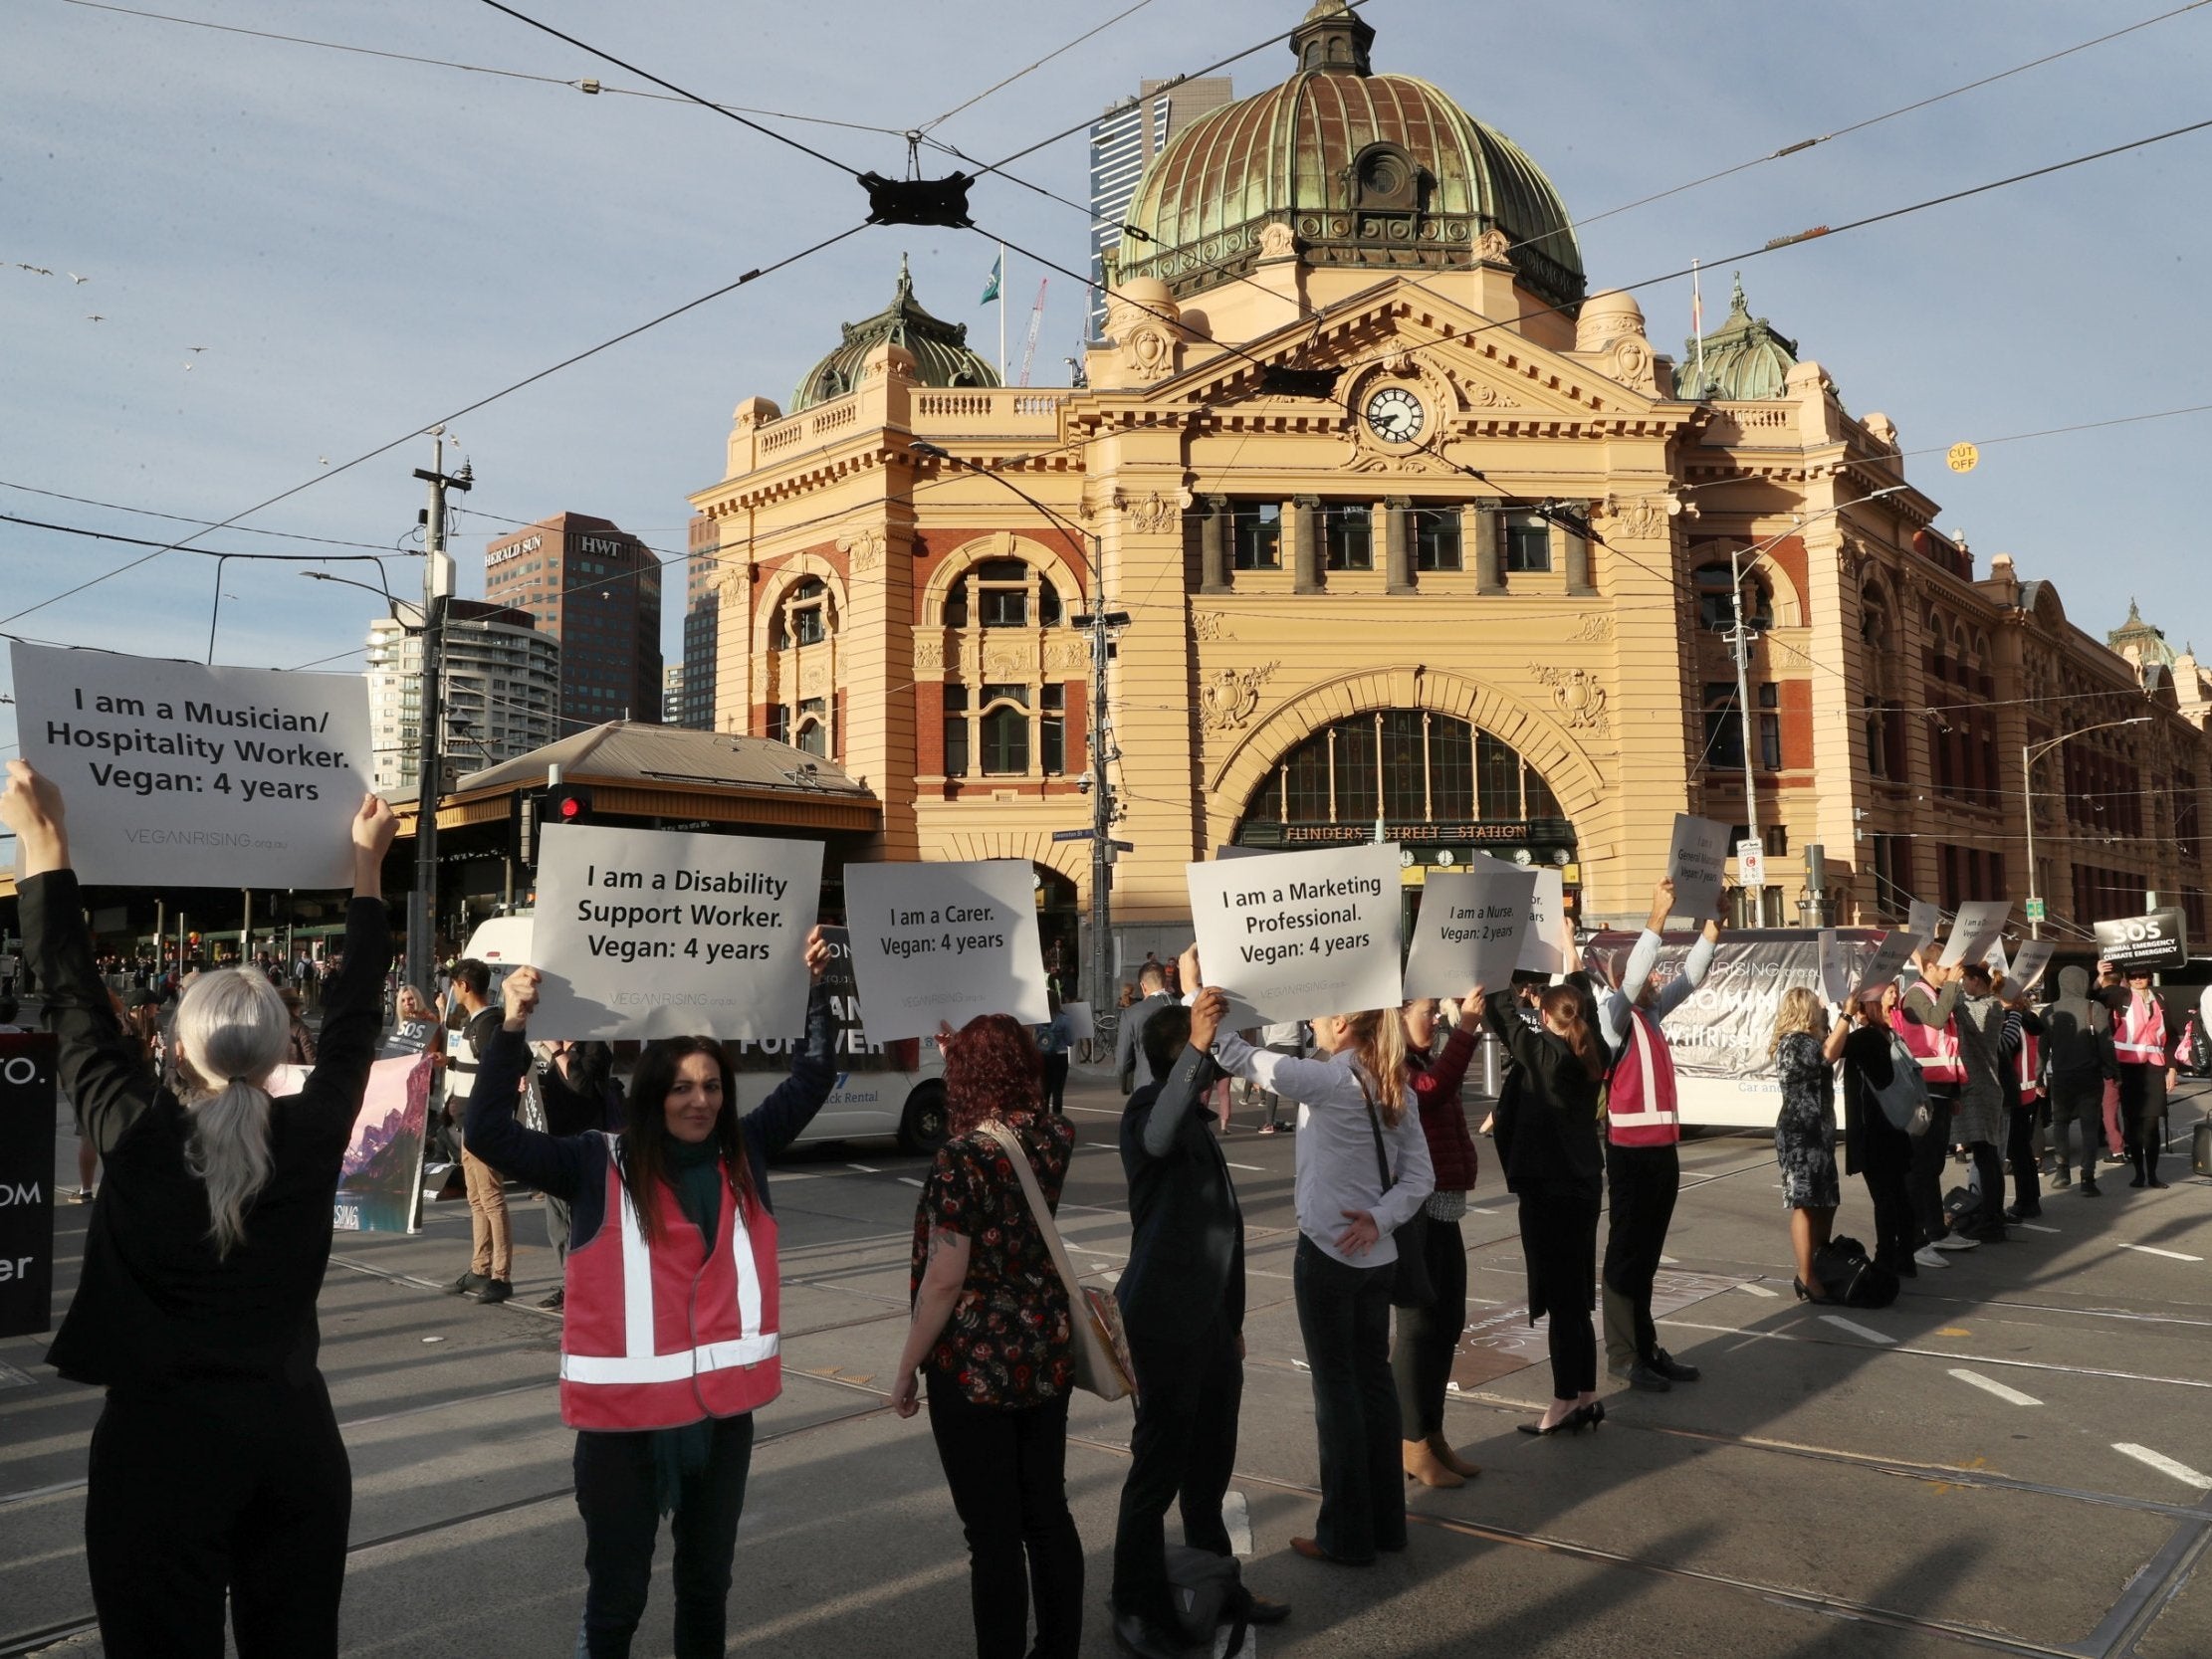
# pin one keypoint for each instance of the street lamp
(2030, 753)
(1101, 623)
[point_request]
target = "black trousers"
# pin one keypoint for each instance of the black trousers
(2020, 1152)
(1182, 1450)
(2142, 1102)
(1007, 1471)
(1055, 1081)
(617, 1493)
(1559, 1245)
(1888, 1174)
(2082, 1101)
(1344, 1317)
(556, 1227)
(212, 1489)
(1929, 1152)
(1642, 1183)
(1428, 1338)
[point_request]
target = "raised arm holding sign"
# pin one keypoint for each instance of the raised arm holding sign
(1696, 859)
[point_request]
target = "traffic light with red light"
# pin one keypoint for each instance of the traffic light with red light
(568, 804)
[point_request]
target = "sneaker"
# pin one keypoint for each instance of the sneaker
(1956, 1241)
(2016, 1213)
(84, 1195)
(467, 1284)
(495, 1289)
(2088, 1187)
(2059, 1178)
(557, 1301)
(1926, 1256)
(1271, 1129)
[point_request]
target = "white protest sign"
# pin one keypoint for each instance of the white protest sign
(1926, 918)
(1835, 969)
(1995, 958)
(1080, 1026)
(1979, 923)
(2028, 966)
(1469, 929)
(1696, 860)
(643, 933)
(943, 941)
(1890, 959)
(1293, 934)
(1541, 948)
(178, 774)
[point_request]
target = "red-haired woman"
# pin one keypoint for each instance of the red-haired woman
(670, 1337)
(1547, 1139)
(993, 1337)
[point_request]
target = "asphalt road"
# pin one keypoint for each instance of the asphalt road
(2015, 1458)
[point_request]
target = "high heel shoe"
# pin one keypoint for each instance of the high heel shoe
(1817, 1299)
(1572, 1423)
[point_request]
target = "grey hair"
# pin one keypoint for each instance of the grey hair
(232, 1027)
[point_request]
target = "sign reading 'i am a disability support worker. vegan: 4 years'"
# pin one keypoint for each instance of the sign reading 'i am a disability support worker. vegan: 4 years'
(177, 775)
(1293, 934)
(663, 933)
(944, 942)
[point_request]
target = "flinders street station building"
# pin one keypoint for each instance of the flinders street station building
(1417, 531)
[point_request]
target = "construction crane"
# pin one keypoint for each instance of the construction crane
(1036, 321)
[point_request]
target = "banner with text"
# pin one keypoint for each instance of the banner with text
(1696, 860)
(27, 1113)
(646, 933)
(2028, 966)
(945, 941)
(1979, 923)
(1890, 959)
(1293, 934)
(2157, 938)
(178, 774)
(1541, 950)
(1470, 929)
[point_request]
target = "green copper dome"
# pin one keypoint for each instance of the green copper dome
(940, 349)
(1745, 361)
(1367, 169)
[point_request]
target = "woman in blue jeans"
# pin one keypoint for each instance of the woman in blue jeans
(1363, 1172)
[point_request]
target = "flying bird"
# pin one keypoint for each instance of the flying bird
(75, 277)
(94, 316)
(195, 349)
(187, 367)
(35, 270)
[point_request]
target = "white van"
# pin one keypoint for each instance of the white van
(895, 1091)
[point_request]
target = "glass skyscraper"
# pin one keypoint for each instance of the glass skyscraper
(1126, 137)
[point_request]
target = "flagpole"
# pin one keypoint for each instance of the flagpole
(1697, 324)
(1001, 313)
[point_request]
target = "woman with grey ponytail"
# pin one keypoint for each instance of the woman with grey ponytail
(218, 1482)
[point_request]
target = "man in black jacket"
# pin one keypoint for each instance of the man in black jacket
(1183, 1305)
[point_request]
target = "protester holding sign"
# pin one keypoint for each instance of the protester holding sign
(1428, 1333)
(992, 1336)
(1363, 1173)
(218, 1471)
(2141, 1047)
(2078, 1033)
(1881, 1089)
(1643, 1166)
(668, 1342)
(1548, 1143)
(2021, 1079)
(1930, 1034)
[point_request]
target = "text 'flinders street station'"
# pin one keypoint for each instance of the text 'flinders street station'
(1470, 592)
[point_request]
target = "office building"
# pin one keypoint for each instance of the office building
(501, 687)
(702, 602)
(596, 589)
(1123, 142)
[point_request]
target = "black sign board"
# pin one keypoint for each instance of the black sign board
(2157, 938)
(27, 1108)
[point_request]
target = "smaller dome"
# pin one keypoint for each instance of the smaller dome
(939, 350)
(1744, 361)
(1604, 317)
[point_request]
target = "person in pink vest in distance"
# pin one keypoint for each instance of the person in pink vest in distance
(669, 1336)
(2145, 1055)
(1926, 1021)
(1644, 1173)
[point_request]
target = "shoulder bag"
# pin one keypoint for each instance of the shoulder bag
(1101, 1349)
(1410, 1287)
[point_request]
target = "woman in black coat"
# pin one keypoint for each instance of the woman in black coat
(217, 1472)
(1547, 1141)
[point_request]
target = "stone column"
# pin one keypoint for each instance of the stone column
(1398, 545)
(1306, 530)
(1214, 544)
(1577, 556)
(1478, 524)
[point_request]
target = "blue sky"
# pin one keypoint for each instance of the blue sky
(361, 244)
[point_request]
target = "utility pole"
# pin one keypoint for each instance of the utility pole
(1740, 641)
(1103, 754)
(437, 589)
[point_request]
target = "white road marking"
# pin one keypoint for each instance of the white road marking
(1872, 1335)
(1253, 1167)
(865, 1170)
(2011, 1396)
(1102, 1146)
(910, 1180)
(1670, 1261)
(2030, 1226)
(1757, 1289)
(1475, 1210)
(2153, 1250)
(1236, 1515)
(2164, 1465)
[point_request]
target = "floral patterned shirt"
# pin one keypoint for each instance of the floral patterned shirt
(1007, 1341)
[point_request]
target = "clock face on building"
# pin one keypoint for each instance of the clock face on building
(1394, 415)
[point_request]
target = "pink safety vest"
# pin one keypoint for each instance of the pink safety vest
(2139, 1039)
(1936, 1049)
(1640, 1101)
(2030, 1059)
(657, 1337)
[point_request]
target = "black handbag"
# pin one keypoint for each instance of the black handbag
(1410, 1287)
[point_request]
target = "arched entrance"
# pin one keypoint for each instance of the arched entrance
(1058, 924)
(1442, 789)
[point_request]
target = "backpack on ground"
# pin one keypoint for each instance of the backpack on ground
(1207, 1591)
(1846, 1274)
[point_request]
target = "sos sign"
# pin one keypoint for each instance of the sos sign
(2155, 939)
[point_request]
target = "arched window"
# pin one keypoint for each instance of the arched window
(1714, 584)
(804, 618)
(802, 644)
(1008, 728)
(1408, 767)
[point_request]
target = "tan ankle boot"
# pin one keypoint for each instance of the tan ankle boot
(1450, 1459)
(1422, 1465)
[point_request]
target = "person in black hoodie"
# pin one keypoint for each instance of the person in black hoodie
(1181, 1302)
(2077, 1048)
(217, 1471)
(1547, 1139)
